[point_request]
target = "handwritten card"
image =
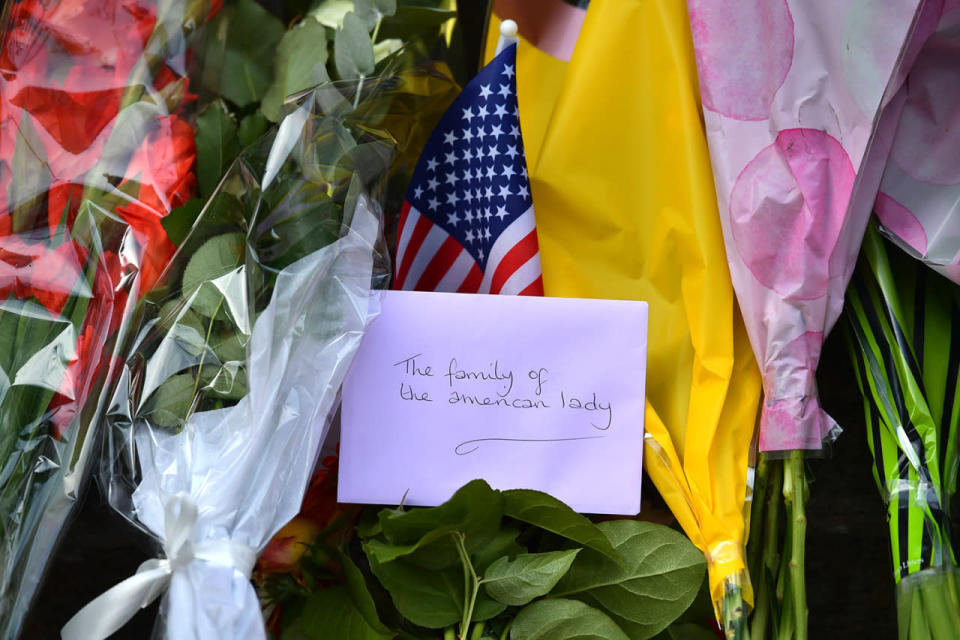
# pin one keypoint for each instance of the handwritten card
(524, 392)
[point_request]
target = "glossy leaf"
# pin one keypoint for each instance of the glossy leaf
(178, 222)
(330, 13)
(251, 128)
(503, 543)
(545, 511)
(475, 511)
(431, 598)
(659, 578)
(171, 402)
(252, 34)
(299, 64)
(332, 613)
(217, 146)
(360, 594)
(216, 257)
(560, 619)
(519, 580)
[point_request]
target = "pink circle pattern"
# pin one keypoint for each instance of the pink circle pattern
(787, 208)
(928, 135)
(900, 220)
(744, 49)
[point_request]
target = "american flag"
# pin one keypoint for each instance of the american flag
(467, 222)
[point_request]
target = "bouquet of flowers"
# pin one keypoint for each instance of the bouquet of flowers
(94, 153)
(231, 376)
(118, 120)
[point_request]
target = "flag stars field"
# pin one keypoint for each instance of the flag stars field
(478, 195)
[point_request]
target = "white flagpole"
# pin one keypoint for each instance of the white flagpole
(508, 35)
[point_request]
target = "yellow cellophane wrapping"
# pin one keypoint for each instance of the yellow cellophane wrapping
(626, 209)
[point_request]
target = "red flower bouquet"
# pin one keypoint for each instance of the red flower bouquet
(93, 154)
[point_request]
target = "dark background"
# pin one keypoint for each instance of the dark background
(849, 579)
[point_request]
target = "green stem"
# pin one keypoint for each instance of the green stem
(951, 585)
(768, 565)
(799, 525)
(784, 586)
(918, 622)
(373, 40)
(941, 617)
(783, 572)
(506, 629)
(761, 610)
(477, 632)
(757, 508)
(734, 613)
(471, 584)
(203, 354)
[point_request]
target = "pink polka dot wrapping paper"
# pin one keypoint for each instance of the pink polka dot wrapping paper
(792, 92)
(919, 201)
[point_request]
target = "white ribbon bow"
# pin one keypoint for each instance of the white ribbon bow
(109, 611)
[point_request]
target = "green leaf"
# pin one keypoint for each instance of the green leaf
(545, 511)
(330, 13)
(299, 64)
(530, 575)
(173, 313)
(217, 146)
(686, 631)
(503, 543)
(353, 49)
(559, 619)
(252, 127)
(227, 381)
(475, 511)
(360, 594)
(332, 613)
(474, 504)
(386, 7)
(170, 403)
(216, 257)
(369, 524)
(188, 335)
(30, 178)
(412, 21)
(431, 598)
(252, 34)
(305, 220)
(659, 578)
(178, 222)
(386, 48)
(372, 11)
(231, 347)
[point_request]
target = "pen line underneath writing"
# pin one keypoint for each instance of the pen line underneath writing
(466, 442)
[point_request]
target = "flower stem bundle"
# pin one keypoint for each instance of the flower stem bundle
(776, 549)
(904, 329)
